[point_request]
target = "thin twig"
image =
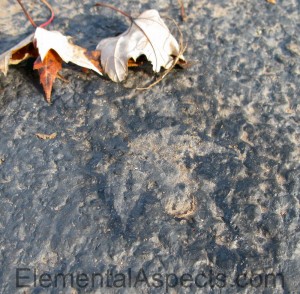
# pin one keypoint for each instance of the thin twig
(164, 74)
(181, 51)
(62, 78)
(115, 9)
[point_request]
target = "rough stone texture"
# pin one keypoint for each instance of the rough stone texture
(198, 174)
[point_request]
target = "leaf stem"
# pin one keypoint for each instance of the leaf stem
(182, 10)
(27, 14)
(51, 17)
(115, 9)
(30, 18)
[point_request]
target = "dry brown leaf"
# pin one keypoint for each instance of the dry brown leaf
(48, 69)
(50, 48)
(46, 40)
(17, 54)
(53, 48)
(45, 136)
(148, 35)
(68, 52)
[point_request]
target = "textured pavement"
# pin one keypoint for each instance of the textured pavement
(191, 186)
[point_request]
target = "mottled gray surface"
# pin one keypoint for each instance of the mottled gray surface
(117, 187)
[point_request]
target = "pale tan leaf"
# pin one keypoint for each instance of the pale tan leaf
(6, 57)
(62, 45)
(46, 136)
(148, 35)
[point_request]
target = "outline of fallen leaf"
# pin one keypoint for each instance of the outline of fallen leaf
(183, 210)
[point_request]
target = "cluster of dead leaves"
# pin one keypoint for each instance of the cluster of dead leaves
(50, 48)
(147, 35)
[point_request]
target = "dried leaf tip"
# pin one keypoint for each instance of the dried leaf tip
(46, 136)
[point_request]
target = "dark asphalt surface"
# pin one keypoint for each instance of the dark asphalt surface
(196, 179)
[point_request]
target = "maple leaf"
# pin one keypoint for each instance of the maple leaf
(148, 35)
(50, 48)
(53, 48)
(68, 52)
